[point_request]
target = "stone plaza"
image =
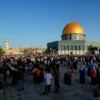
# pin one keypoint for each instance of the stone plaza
(35, 91)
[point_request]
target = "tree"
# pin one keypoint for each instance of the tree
(26, 51)
(90, 48)
(2, 52)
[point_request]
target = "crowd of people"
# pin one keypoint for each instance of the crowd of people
(43, 68)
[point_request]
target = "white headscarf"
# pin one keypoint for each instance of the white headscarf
(82, 67)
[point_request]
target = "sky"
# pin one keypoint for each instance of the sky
(36, 22)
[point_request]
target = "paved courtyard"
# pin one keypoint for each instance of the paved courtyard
(35, 92)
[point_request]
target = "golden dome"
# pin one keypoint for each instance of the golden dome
(73, 28)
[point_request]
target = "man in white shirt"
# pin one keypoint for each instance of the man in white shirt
(48, 78)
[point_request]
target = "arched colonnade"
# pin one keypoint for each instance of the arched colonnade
(72, 49)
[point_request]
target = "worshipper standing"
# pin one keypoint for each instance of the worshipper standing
(45, 63)
(68, 76)
(42, 74)
(47, 78)
(14, 77)
(56, 80)
(26, 69)
(57, 65)
(29, 68)
(70, 64)
(8, 82)
(20, 76)
(47, 66)
(93, 76)
(75, 64)
(96, 92)
(98, 75)
(8, 77)
(82, 75)
(13, 73)
(7, 72)
(38, 76)
(64, 63)
(34, 75)
(1, 80)
(89, 68)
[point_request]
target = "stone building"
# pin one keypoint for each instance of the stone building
(73, 42)
(20, 51)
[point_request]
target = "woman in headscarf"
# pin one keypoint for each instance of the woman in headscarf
(34, 75)
(56, 80)
(82, 75)
(93, 76)
(69, 74)
(89, 68)
(42, 73)
(75, 64)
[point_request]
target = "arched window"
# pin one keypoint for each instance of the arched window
(68, 47)
(75, 47)
(64, 47)
(71, 47)
(83, 47)
(87, 47)
(60, 47)
(79, 47)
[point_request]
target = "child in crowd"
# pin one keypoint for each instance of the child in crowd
(47, 78)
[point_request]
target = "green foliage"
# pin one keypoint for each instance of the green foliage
(26, 51)
(2, 52)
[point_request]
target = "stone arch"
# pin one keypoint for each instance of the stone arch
(61, 49)
(67, 49)
(76, 49)
(64, 48)
(71, 47)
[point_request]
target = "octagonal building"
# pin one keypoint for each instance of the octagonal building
(73, 42)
